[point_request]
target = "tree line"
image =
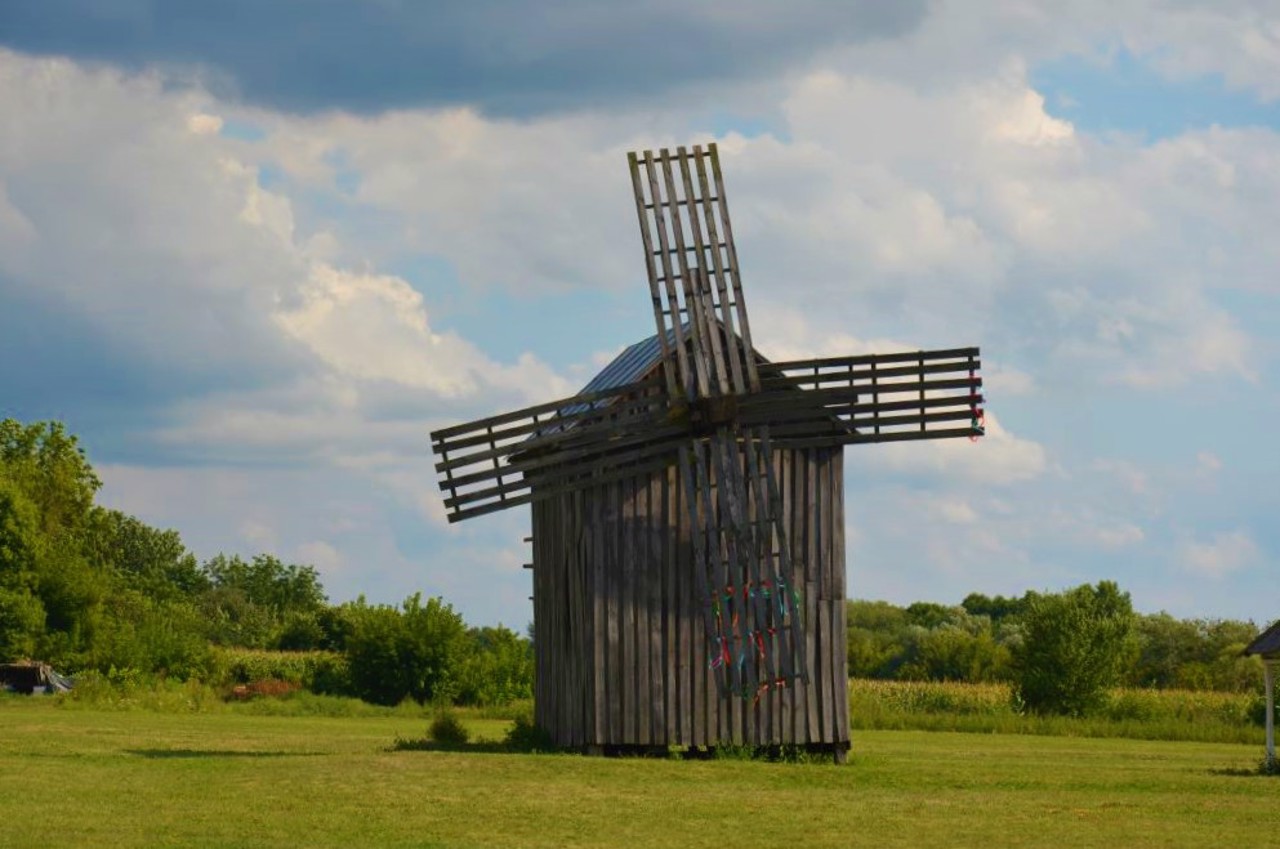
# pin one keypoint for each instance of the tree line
(89, 588)
(1059, 650)
(85, 587)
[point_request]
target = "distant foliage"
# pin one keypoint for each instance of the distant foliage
(496, 669)
(318, 671)
(995, 708)
(977, 640)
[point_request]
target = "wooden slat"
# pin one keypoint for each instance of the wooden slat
(813, 692)
(786, 407)
(613, 579)
(549, 477)
(789, 366)
(640, 601)
(549, 408)
(654, 576)
(732, 276)
(670, 608)
(573, 452)
(705, 338)
(668, 356)
(696, 277)
(689, 374)
(599, 630)
(856, 439)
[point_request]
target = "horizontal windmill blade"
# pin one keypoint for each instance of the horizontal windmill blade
(870, 398)
(491, 464)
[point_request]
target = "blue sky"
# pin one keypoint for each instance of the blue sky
(253, 256)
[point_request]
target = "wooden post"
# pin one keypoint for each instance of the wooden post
(1269, 677)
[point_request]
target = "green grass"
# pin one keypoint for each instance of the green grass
(228, 778)
(989, 708)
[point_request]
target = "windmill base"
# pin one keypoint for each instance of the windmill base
(838, 753)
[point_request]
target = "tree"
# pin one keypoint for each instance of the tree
(267, 582)
(49, 466)
(153, 561)
(413, 651)
(1073, 649)
(996, 608)
(497, 668)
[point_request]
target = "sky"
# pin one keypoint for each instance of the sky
(252, 254)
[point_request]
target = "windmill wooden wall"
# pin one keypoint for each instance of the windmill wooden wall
(620, 645)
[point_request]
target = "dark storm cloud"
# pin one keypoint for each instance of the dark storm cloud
(504, 56)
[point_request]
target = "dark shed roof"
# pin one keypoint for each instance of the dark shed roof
(1266, 643)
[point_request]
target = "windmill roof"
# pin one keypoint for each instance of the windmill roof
(635, 361)
(1266, 643)
(632, 364)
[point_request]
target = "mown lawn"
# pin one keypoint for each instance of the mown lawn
(100, 778)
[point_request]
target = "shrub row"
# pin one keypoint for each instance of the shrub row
(994, 708)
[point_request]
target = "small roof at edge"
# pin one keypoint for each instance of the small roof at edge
(1266, 643)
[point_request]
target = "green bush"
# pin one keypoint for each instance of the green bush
(497, 668)
(524, 735)
(447, 730)
(319, 671)
(1073, 648)
(413, 651)
(128, 689)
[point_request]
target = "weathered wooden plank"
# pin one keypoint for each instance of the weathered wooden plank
(732, 276)
(655, 292)
(550, 623)
(694, 581)
(858, 439)
(803, 404)
(702, 329)
(582, 631)
(642, 572)
(573, 665)
(781, 461)
(690, 376)
(737, 380)
(841, 590)
(653, 576)
(864, 379)
(598, 631)
(819, 420)
(613, 581)
(539, 661)
(627, 611)
(670, 610)
(570, 463)
(563, 411)
(696, 284)
(867, 359)
(826, 699)
(813, 692)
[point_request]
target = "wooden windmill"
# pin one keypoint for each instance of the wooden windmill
(688, 513)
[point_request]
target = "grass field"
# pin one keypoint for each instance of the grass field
(138, 778)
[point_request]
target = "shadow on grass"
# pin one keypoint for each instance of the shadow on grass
(481, 747)
(172, 754)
